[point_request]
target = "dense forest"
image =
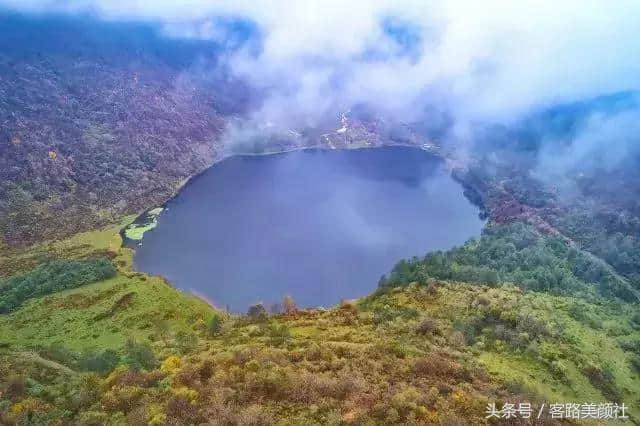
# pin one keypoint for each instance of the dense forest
(50, 278)
(517, 254)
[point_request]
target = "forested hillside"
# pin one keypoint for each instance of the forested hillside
(586, 200)
(518, 254)
(98, 120)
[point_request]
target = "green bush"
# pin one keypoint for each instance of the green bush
(559, 371)
(186, 341)
(631, 346)
(215, 325)
(257, 313)
(387, 313)
(102, 362)
(58, 352)
(279, 333)
(52, 277)
(139, 355)
(635, 320)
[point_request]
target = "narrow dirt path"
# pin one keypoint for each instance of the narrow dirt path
(32, 356)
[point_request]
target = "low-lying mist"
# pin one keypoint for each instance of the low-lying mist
(556, 80)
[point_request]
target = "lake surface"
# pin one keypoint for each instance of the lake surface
(320, 226)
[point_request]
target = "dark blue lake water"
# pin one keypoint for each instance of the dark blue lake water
(320, 226)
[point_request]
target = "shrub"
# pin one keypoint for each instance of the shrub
(215, 325)
(436, 366)
(241, 356)
(317, 352)
(451, 420)
(272, 383)
(180, 408)
(559, 371)
(186, 341)
(530, 324)
(138, 417)
(161, 329)
(252, 365)
(92, 418)
(397, 348)
(279, 334)
(15, 388)
(342, 351)
(470, 329)
(187, 377)
(308, 388)
(139, 355)
(578, 312)
(457, 339)
(128, 377)
(406, 401)
(122, 398)
(206, 370)
(170, 364)
(101, 362)
(387, 313)
(58, 352)
(254, 415)
(631, 346)
(427, 327)
(153, 377)
(257, 313)
(635, 320)
(26, 410)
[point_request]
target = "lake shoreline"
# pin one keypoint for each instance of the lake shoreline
(367, 201)
(141, 217)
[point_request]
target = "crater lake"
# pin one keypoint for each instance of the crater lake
(318, 225)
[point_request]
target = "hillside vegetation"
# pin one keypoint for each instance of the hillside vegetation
(132, 349)
(517, 253)
(52, 277)
(99, 120)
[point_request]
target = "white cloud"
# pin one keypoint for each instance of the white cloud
(603, 143)
(485, 60)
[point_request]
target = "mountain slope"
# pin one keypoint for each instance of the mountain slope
(98, 120)
(140, 351)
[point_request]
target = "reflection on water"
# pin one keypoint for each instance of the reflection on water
(318, 225)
